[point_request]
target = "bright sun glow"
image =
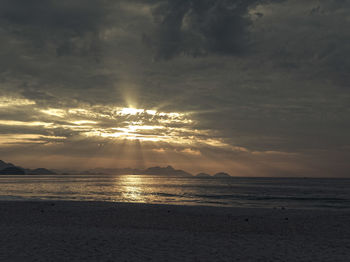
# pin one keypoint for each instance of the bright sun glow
(142, 125)
(109, 122)
(54, 112)
(131, 111)
(84, 122)
(9, 102)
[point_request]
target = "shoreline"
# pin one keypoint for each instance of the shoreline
(115, 231)
(195, 204)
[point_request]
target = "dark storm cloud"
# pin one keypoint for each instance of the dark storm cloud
(198, 27)
(306, 37)
(52, 50)
(70, 26)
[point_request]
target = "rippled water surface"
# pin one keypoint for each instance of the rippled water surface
(246, 192)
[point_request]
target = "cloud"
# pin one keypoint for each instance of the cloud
(67, 27)
(264, 76)
(305, 37)
(200, 27)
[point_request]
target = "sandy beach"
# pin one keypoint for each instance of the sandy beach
(100, 231)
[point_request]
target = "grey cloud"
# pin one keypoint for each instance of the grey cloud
(199, 27)
(41, 97)
(307, 38)
(71, 27)
(58, 52)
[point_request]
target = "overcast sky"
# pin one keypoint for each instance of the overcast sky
(250, 87)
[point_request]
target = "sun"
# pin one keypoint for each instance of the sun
(131, 111)
(111, 122)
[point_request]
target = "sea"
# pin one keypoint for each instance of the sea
(304, 193)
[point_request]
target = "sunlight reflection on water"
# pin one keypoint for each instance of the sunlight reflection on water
(247, 192)
(132, 188)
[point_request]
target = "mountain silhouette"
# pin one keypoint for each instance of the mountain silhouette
(40, 171)
(203, 175)
(12, 170)
(222, 175)
(166, 171)
(153, 171)
(4, 165)
(169, 171)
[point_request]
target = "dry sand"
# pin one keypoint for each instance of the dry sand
(91, 231)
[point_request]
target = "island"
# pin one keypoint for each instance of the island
(222, 175)
(203, 175)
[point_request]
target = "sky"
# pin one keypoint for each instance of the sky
(253, 87)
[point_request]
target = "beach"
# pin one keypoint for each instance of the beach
(106, 231)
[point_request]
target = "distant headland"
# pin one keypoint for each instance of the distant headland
(11, 169)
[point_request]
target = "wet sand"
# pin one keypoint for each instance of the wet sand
(95, 231)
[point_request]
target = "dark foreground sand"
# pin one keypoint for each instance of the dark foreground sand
(90, 231)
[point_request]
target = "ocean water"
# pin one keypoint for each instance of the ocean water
(236, 192)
